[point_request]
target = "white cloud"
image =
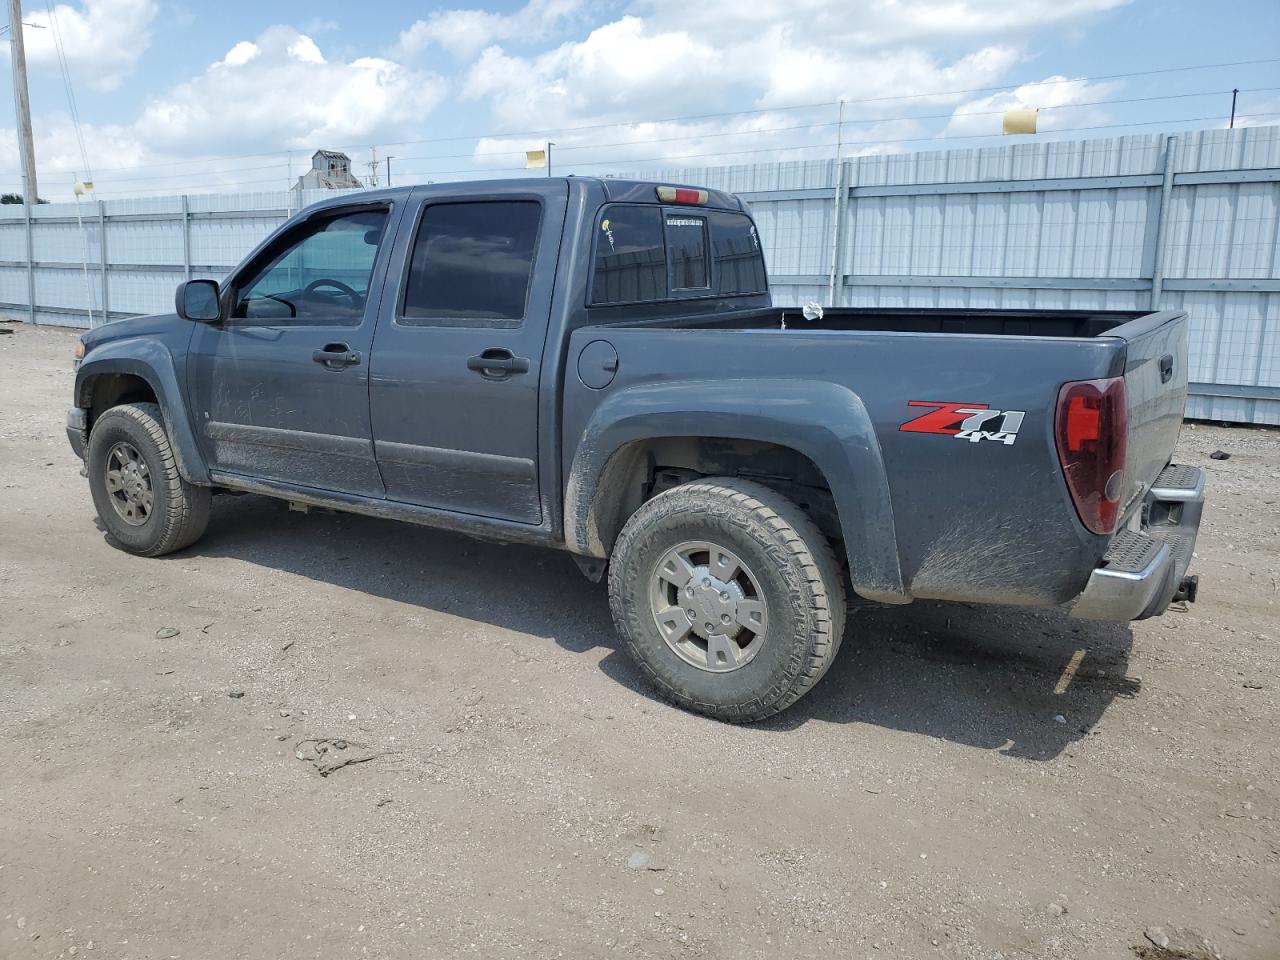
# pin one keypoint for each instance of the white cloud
(103, 39)
(662, 58)
(983, 116)
(241, 53)
(671, 57)
(272, 94)
(59, 152)
(465, 32)
(1258, 111)
(304, 50)
(622, 65)
(861, 24)
(628, 67)
(280, 92)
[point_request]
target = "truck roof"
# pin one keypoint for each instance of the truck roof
(614, 189)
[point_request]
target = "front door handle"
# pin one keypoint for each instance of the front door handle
(335, 356)
(497, 363)
(1166, 368)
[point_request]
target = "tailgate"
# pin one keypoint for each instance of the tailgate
(1155, 375)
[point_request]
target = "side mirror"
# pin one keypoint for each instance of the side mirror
(198, 300)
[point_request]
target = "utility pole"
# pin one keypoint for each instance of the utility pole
(22, 105)
(373, 166)
(1234, 93)
(389, 159)
(837, 211)
(549, 146)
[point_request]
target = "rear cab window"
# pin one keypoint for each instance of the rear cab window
(687, 246)
(648, 252)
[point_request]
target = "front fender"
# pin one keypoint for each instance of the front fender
(152, 361)
(826, 422)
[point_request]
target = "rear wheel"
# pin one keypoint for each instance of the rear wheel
(142, 500)
(728, 596)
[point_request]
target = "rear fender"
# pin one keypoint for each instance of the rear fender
(826, 422)
(151, 361)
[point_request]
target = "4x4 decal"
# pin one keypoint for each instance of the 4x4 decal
(965, 421)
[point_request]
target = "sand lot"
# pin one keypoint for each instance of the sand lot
(951, 789)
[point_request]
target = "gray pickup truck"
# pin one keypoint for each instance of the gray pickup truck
(595, 365)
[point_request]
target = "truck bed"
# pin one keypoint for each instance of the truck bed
(992, 323)
(975, 520)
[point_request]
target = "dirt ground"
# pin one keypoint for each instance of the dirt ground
(950, 789)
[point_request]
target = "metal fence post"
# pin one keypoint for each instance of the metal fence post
(1162, 231)
(102, 251)
(186, 238)
(31, 268)
(834, 280)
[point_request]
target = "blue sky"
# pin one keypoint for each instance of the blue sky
(177, 97)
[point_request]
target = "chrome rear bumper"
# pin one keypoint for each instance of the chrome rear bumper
(1143, 570)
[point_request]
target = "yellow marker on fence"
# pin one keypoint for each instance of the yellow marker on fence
(1020, 121)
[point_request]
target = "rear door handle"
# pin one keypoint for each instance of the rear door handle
(1166, 368)
(497, 363)
(335, 356)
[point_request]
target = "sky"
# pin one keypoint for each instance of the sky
(177, 97)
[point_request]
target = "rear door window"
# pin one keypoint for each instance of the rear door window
(631, 259)
(472, 264)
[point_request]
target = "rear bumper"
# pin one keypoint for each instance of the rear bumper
(78, 430)
(1143, 569)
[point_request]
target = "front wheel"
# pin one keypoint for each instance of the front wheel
(728, 596)
(142, 500)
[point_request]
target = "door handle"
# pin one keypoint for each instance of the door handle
(335, 356)
(1166, 368)
(497, 363)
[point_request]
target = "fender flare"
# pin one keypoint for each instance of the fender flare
(825, 422)
(152, 362)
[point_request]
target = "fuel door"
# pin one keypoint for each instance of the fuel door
(597, 364)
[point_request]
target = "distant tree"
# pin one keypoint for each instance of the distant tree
(17, 198)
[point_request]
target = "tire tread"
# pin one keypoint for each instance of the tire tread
(750, 503)
(188, 517)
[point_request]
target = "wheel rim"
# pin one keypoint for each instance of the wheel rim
(128, 483)
(708, 606)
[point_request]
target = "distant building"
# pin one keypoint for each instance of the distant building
(330, 170)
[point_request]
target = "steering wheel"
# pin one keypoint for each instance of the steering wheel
(352, 295)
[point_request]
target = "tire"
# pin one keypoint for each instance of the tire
(782, 558)
(177, 512)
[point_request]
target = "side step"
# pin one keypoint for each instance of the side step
(1132, 552)
(1178, 483)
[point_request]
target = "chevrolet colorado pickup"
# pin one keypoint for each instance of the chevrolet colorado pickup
(595, 365)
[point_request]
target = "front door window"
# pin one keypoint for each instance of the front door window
(319, 275)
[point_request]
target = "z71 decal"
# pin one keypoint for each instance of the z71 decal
(966, 421)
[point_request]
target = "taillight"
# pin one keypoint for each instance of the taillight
(1092, 433)
(682, 195)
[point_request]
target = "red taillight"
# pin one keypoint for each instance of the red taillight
(682, 195)
(1092, 433)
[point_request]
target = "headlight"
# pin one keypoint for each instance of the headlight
(79, 353)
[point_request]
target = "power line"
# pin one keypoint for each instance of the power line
(773, 149)
(848, 102)
(560, 131)
(741, 133)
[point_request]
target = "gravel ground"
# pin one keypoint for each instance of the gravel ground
(943, 792)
